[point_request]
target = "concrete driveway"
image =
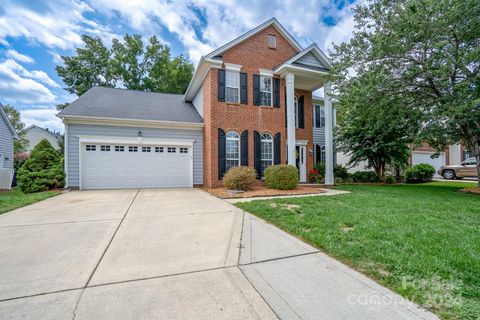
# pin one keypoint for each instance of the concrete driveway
(171, 254)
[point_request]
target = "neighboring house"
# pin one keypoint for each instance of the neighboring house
(424, 153)
(7, 139)
(249, 103)
(34, 134)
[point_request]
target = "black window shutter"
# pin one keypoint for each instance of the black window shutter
(243, 88)
(244, 148)
(256, 89)
(256, 154)
(301, 112)
(277, 149)
(221, 153)
(276, 93)
(286, 121)
(221, 85)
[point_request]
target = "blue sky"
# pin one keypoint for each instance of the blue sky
(34, 34)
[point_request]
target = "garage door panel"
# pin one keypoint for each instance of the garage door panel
(142, 169)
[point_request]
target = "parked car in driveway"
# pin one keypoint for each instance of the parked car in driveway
(467, 168)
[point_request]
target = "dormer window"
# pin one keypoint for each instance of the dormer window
(272, 41)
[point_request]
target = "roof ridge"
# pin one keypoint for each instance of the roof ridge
(134, 90)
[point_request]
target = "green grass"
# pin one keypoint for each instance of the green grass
(422, 241)
(14, 199)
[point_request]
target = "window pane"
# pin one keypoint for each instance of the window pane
(231, 95)
(232, 150)
(232, 78)
(266, 151)
(265, 91)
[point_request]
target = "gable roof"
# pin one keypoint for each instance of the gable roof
(113, 103)
(7, 122)
(213, 59)
(53, 134)
(272, 22)
(311, 57)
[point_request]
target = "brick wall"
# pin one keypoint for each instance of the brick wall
(252, 54)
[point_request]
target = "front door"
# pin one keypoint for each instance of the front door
(301, 155)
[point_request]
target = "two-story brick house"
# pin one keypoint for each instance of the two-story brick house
(249, 103)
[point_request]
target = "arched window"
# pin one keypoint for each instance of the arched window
(232, 150)
(266, 151)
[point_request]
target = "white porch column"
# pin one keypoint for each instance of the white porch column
(329, 180)
(290, 83)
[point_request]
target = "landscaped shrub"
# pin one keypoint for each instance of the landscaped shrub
(390, 179)
(282, 177)
(42, 171)
(314, 176)
(420, 173)
(365, 176)
(340, 172)
(320, 167)
(239, 178)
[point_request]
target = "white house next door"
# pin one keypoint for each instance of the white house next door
(118, 166)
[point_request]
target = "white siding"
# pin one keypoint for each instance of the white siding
(198, 101)
(309, 59)
(75, 130)
(35, 135)
(6, 144)
(343, 159)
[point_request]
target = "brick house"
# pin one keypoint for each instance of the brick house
(249, 103)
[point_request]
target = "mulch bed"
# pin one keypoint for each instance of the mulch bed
(473, 190)
(224, 193)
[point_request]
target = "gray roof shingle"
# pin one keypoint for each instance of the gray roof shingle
(102, 102)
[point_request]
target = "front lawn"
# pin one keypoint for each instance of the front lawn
(10, 200)
(422, 241)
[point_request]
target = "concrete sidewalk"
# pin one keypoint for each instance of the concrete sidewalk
(299, 282)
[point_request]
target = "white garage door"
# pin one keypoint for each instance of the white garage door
(419, 157)
(117, 166)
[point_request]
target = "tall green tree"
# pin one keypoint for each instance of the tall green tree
(15, 119)
(373, 126)
(128, 63)
(91, 66)
(429, 51)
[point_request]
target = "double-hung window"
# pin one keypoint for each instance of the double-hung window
(266, 151)
(232, 86)
(232, 150)
(265, 91)
(319, 116)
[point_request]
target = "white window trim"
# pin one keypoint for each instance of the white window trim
(265, 72)
(237, 139)
(271, 90)
(233, 67)
(270, 140)
(237, 88)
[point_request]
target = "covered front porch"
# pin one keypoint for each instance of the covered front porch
(307, 71)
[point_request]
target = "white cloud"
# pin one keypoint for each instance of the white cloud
(19, 85)
(14, 54)
(43, 117)
(58, 25)
(226, 20)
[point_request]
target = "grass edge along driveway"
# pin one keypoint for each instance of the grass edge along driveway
(14, 199)
(422, 241)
